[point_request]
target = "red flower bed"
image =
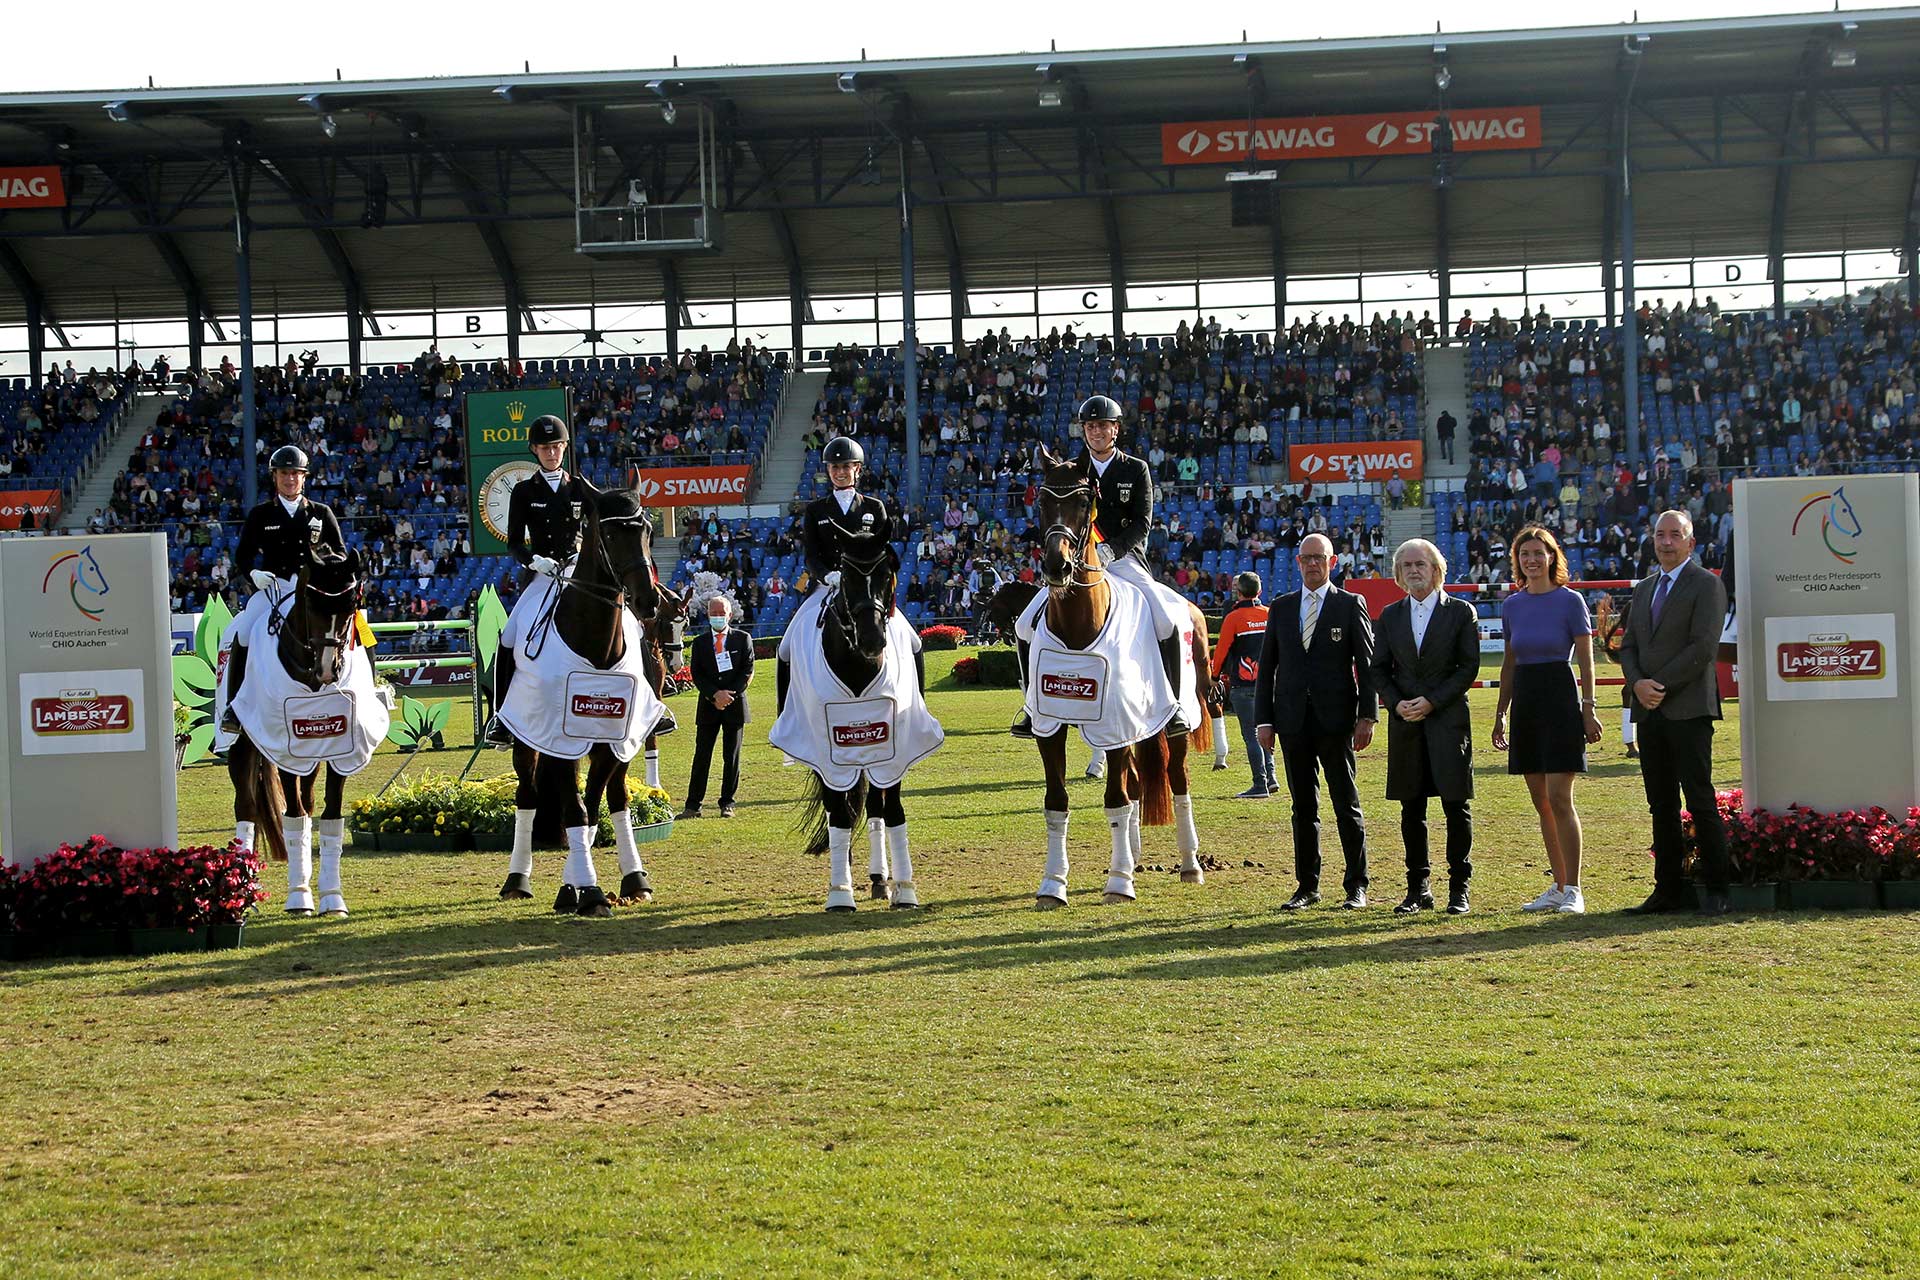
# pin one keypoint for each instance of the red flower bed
(98, 885)
(1804, 844)
(941, 636)
(967, 671)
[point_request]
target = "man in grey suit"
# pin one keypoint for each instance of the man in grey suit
(1667, 657)
(1426, 655)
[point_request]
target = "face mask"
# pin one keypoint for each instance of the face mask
(717, 621)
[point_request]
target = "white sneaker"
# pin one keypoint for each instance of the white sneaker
(1571, 902)
(1548, 901)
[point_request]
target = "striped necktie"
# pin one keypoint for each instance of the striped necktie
(1309, 618)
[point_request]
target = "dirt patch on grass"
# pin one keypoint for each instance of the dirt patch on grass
(507, 1112)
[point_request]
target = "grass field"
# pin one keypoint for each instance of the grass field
(731, 1082)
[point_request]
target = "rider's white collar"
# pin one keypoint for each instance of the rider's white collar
(846, 498)
(292, 508)
(553, 477)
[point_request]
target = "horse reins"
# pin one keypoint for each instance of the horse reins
(1079, 540)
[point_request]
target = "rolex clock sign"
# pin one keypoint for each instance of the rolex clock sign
(498, 457)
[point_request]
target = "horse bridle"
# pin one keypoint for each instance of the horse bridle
(839, 608)
(1077, 540)
(312, 651)
(605, 561)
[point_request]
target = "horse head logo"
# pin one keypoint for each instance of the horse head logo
(86, 581)
(1840, 526)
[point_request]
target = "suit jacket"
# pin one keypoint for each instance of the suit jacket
(824, 527)
(1441, 671)
(1321, 690)
(540, 519)
(1679, 652)
(709, 679)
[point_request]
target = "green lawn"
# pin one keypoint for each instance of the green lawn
(731, 1082)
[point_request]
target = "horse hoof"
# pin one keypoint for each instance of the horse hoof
(1112, 899)
(1193, 877)
(517, 888)
(634, 885)
(904, 897)
(877, 889)
(300, 911)
(567, 901)
(904, 906)
(1218, 765)
(593, 903)
(1045, 902)
(333, 906)
(840, 899)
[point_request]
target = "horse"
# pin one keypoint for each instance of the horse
(613, 575)
(317, 651)
(1000, 608)
(1147, 782)
(855, 624)
(663, 652)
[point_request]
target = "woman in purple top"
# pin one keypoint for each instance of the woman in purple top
(1545, 624)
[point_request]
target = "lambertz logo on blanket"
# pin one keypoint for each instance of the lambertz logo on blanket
(1081, 688)
(76, 711)
(318, 726)
(600, 706)
(861, 735)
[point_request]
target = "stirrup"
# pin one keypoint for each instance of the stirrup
(1022, 727)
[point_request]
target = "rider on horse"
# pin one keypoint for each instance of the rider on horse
(543, 534)
(844, 513)
(276, 535)
(1122, 518)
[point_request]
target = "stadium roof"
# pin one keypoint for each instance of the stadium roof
(1782, 134)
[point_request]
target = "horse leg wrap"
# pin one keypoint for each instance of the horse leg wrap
(623, 842)
(1186, 833)
(579, 872)
(653, 766)
(1626, 726)
(520, 861)
(243, 832)
(1120, 867)
(1053, 882)
(299, 836)
(839, 868)
(1219, 742)
(877, 849)
(904, 893)
(1133, 835)
(333, 838)
(1097, 766)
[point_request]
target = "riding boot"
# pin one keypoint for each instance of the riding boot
(1170, 661)
(1023, 726)
(236, 672)
(497, 734)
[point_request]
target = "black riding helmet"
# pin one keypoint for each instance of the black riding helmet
(844, 449)
(1099, 409)
(288, 457)
(546, 429)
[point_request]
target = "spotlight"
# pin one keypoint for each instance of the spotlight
(119, 112)
(1442, 79)
(847, 82)
(1051, 95)
(328, 126)
(668, 113)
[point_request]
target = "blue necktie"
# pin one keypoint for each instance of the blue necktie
(1660, 597)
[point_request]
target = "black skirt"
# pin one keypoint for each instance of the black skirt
(1547, 734)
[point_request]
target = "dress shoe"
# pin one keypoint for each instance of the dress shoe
(726, 811)
(689, 813)
(1457, 904)
(1661, 903)
(497, 734)
(1300, 901)
(1417, 900)
(1356, 899)
(1715, 902)
(1251, 794)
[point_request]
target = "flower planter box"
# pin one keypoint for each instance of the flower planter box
(15, 946)
(83, 943)
(1832, 895)
(225, 937)
(1900, 895)
(1754, 897)
(653, 832)
(164, 941)
(493, 841)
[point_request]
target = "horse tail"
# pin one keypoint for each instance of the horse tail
(266, 799)
(1156, 791)
(813, 815)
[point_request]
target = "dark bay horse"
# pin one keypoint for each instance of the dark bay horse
(853, 635)
(1147, 782)
(613, 573)
(316, 639)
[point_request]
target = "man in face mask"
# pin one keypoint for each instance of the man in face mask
(722, 665)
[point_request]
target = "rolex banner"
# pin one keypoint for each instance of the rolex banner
(498, 457)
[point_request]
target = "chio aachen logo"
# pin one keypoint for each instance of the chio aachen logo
(83, 574)
(1840, 527)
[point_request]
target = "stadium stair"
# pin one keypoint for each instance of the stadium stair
(1407, 522)
(1445, 385)
(785, 461)
(666, 557)
(95, 489)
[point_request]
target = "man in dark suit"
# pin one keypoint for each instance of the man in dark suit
(722, 665)
(1667, 657)
(1315, 697)
(1426, 655)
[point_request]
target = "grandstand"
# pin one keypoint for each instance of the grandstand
(1081, 243)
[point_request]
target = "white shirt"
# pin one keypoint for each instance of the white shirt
(1319, 599)
(1421, 616)
(845, 498)
(1099, 467)
(553, 478)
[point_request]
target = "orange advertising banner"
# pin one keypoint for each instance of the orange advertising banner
(1378, 459)
(15, 503)
(35, 187)
(692, 486)
(1385, 133)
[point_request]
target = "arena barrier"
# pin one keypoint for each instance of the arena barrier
(452, 661)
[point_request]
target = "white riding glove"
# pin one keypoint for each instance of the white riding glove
(833, 578)
(262, 580)
(547, 567)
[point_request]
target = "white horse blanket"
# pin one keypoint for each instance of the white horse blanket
(298, 728)
(840, 733)
(1114, 690)
(560, 704)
